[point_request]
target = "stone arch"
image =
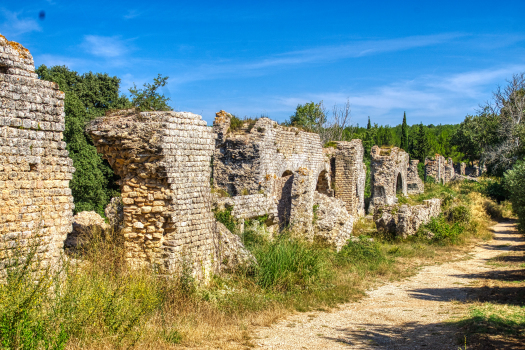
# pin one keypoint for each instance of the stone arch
(323, 183)
(399, 184)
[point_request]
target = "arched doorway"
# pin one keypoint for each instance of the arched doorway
(284, 197)
(323, 183)
(399, 184)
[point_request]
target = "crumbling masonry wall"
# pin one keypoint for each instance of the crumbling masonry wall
(389, 168)
(36, 203)
(414, 183)
(348, 175)
(163, 159)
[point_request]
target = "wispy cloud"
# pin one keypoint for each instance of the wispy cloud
(105, 46)
(14, 24)
(428, 98)
(130, 14)
(321, 54)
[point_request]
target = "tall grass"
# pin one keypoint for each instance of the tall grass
(93, 300)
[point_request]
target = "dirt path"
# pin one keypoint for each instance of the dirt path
(408, 314)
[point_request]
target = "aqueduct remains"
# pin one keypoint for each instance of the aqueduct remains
(166, 162)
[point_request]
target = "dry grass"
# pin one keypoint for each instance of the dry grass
(120, 307)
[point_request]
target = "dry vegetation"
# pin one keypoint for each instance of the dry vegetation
(96, 302)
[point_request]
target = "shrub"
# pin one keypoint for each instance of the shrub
(443, 231)
(225, 217)
(514, 182)
(362, 251)
(459, 214)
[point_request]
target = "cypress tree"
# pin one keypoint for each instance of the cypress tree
(369, 126)
(404, 133)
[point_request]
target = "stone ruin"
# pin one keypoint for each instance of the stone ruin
(405, 220)
(389, 172)
(286, 172)
(444, 170)
(414, 183)
(35, 169)
(163, 160)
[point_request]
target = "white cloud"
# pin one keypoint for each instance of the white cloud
(105, 46)
(14, 25)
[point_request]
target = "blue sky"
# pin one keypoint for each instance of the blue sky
(435, 60)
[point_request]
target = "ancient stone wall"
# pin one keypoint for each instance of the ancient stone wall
(163, 159)
(348, 175)
(435, 168)
(389, 169)
(36, 203)
(414, 182)
(405, 220)
(248, 160)
(331, 222)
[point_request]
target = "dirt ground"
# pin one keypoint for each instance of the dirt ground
(408, 314)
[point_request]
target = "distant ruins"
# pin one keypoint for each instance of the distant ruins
(444, 171)
(389, 172)
(36, 203)
(288, 169)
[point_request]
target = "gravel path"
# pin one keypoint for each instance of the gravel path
(408, 314)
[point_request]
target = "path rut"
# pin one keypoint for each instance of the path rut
(407, 314)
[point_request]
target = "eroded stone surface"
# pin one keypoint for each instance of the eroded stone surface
(414, 183)
(405, 220)
(86, 224)
(332, 222)
(389, 168)
(115, 213)
(231, 252)
(35, 168)
(163, 160)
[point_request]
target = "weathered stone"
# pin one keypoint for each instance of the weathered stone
(86, 224)
(163, 160)
(405, 220)
(389, 168)
(414, 183)
(35, 200)
(231, 252)
(115, 213)
(332, 222)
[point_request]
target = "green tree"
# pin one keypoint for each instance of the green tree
(148, 98)
(514, 180)
(369, 125)
(404, 133)
(310, 116)
(87, 96)
(421, 146)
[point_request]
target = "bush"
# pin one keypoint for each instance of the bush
(443, 231)
(362, 251)
(460, 214)
(515, 184)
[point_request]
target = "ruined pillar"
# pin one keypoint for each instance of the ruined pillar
(36, 203)
(414, 182)
(163, 160)
(349, 176)
(389, 167)
(301, 214)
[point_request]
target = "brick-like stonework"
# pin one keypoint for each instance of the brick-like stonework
(414, 183)
(348, 175)
(35, 168)
(246, 161)
(163, 160)
(389, 168)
